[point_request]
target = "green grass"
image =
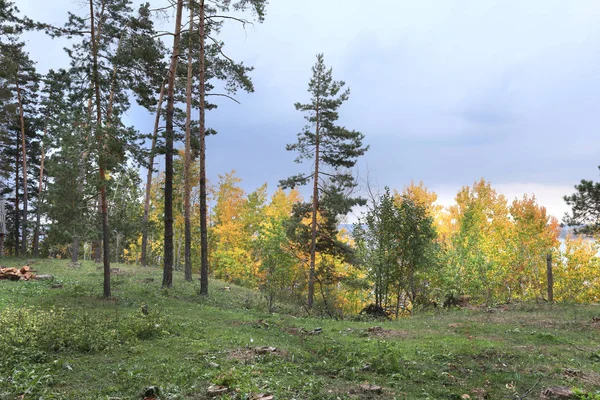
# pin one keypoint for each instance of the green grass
(61, 340)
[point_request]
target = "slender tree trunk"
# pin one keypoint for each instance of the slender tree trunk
(178, 258)
(95, 244)
(550, 279)
(84, 156)
(17, 211)
(24, 167)
(2, 226)
(315, 209)
(168, 244)
(38, 217)
(144, 256)
(398, 302)
(188, 158)
(102, 170)
(80, 184)
(203, 208)
(117, 248)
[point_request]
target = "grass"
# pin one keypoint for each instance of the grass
(60, 340)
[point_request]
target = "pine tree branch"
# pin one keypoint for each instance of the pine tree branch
(223, 95)
(240, 20)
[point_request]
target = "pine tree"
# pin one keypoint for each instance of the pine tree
(234, 74)
(325, 144)
(585, 207)
(188, 152)
(169, 139)
(22, 83)
(110, 65)
(53, 109)
(209, 62)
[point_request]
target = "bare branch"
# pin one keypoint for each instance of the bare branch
(240, 20)
(223, 95)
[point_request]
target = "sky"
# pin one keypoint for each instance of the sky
(446, 92)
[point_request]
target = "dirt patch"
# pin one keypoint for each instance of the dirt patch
(357, 391)
(589, 378)
(247, 355)
(378, 331)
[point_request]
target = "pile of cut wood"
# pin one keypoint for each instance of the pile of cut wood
(15, 274)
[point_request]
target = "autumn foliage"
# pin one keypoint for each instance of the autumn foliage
(483, 247)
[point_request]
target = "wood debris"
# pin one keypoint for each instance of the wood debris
(17, 274)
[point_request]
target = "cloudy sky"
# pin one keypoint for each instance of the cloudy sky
(446, 92)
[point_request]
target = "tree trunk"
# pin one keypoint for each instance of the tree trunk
(144, 256)
(203, 208)
(398, 302)
(2, 226)
(178, 256)
(81, 180)
(315, 209)
(168, 244)
(75, 249)
(102, 170)
(117, 248)
(187, 158)
(38, 217)
(24, 167)
(550, 278)
(17, 211)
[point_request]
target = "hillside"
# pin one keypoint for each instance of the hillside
(60, 340)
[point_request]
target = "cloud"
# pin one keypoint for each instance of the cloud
(445, 92)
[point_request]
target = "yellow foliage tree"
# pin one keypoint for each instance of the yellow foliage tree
(532, 236)
(577, 271)
(480, 241)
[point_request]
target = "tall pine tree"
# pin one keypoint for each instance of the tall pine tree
(332, 150)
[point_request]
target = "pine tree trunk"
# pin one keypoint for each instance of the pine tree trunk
(17, 211)
(144, 254)
(80, 184)
(203, 209)
(102, 170)
(168, 244)
(38, 217)
(24, 167)
(187, 159)
(315, 209)
(75, 249)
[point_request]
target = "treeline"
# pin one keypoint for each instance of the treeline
(406, 253)
(69, 163)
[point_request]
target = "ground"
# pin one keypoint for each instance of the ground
(61, 340)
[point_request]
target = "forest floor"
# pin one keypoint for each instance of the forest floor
(60, 340)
